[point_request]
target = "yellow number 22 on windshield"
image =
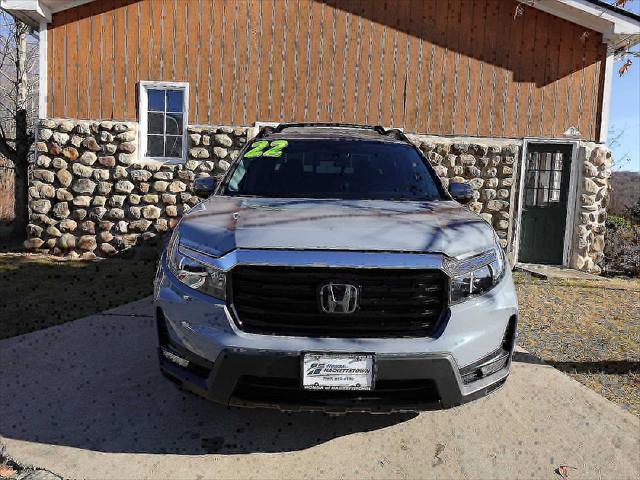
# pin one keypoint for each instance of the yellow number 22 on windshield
(258, 149)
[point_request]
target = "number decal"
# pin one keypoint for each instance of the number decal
(276, 148)
(256, 149)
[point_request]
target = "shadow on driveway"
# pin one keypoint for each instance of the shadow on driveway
(94, 384)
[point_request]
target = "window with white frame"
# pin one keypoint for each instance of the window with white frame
(163, 120)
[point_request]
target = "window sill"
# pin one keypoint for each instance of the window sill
(160, 160)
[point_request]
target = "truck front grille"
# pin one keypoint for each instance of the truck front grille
(286, 301)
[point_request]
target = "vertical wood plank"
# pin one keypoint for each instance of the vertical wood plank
(388, 67)
(302, 67)
(119, 67)
(339, 58)
(201, 114)
(226, 61)
(591, 82)
(71, 49)
(239, 64)
(463, 70)
(216, 54)
(565, 66)
(488, 82)
(542, 43)
(378, 52)
(155, 40)
(132, 66)
(450, 67)
(83, 62)
(363, 64)
(319, 100)
(180, 53)
(427, 67)
(107, 65)
(548, 84)
(399, 91)
(503, 74)
(145, 39)
(439, 26)
(527, 84)
(516, 46)
(265, 59)
(327, 23)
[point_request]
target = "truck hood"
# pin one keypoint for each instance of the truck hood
(221, 224)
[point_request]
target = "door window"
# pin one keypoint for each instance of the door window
(543, 179)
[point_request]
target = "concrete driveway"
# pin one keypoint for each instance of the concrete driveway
(86, 400)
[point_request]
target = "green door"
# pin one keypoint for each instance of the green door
(544, 209)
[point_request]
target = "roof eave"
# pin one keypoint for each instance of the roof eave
(30, 12)
(617, 27)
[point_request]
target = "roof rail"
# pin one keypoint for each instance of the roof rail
(284, 126)
(396, 133)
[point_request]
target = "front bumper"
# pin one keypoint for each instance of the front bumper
(259, 379)
(233, 367)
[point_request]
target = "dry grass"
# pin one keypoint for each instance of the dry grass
(588, 329)
(40, 291)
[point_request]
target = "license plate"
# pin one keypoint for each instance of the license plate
(337, 371)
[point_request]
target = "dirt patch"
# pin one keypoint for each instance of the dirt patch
(588, 329)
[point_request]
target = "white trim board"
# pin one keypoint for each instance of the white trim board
(43, 77)
(574, 175)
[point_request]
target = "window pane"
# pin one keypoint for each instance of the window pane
(530, 197)
(557, 161)
(155, 145)
(543, 179)
(155, 123)
(155, 100)
(555, 196)
(174, 124)
(174, 100)
(173, 146)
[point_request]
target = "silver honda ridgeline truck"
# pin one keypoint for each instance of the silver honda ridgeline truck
(330, 270)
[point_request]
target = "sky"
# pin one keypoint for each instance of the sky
(624, 115)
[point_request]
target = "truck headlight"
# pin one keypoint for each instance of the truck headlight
(476, 275)
(194, 273)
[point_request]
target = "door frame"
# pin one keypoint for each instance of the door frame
(574, 177)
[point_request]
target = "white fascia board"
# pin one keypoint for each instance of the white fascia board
(60, 6)
(611, 24)
(43, 74)
(32, 12)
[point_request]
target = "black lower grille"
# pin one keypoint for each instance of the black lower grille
(288, 391)
(286, 301)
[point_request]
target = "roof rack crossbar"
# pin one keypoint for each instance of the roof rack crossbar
(395, 132)
(283, 126)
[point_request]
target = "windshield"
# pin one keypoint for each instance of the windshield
(351, 169)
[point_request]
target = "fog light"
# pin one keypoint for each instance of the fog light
(494, 366)
(172, 357)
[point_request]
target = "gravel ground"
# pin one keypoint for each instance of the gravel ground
(588, 329)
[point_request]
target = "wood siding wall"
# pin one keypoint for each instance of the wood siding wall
(435, 66)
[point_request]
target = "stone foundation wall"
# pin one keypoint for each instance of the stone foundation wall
(591, 208)
(489, 167)
(90, 196)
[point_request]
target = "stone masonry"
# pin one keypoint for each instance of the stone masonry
(488, 167)
(90, 196)
(591, 210)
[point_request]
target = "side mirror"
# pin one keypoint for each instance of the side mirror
(461, 192)
(203, 187)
